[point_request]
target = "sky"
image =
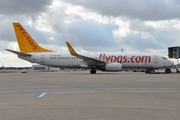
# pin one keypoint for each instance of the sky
(137, 26)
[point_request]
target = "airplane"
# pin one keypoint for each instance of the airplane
(113, 62)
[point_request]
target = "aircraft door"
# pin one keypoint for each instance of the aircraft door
(42, 59)
(155, 59)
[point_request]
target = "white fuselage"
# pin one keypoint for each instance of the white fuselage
(65, 60)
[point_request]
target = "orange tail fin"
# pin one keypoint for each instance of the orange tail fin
(25, 41)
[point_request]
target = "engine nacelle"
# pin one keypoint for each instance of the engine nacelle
(112, 67)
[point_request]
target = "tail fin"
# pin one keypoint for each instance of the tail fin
(25, 41)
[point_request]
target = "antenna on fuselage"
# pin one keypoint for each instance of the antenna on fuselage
(122, 50)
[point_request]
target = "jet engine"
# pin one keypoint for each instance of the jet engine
(112, 67)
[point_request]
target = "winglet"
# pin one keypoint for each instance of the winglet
(71, 50)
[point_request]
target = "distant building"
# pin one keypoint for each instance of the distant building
(40, 67)
(174, 52)
(2, 68)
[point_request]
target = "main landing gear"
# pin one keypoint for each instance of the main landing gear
(167, 71)
(93, 71)
(150, 71)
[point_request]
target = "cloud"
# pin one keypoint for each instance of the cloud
(136, 9)
(140, 26)
(139, 43)
(6, 30)
(89, 34)
(103, 25)
(158, 40)
(23, 7)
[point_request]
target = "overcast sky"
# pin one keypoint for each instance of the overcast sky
(91, 25)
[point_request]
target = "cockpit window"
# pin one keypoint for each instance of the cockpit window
(164, 58)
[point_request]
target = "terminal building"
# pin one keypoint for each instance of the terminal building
(45, 68)
(40, 67)
(174, 52)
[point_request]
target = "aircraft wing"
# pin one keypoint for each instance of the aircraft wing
(89, 61)
(18, 53)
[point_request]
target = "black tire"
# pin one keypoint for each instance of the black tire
(147, 71)
(151, 71)
(93, 71)
(167, 71)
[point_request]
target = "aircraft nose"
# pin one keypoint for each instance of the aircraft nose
(171, 63)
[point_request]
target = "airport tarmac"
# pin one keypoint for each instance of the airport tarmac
(79, 95)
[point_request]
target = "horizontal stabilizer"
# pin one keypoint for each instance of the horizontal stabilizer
(19, 53)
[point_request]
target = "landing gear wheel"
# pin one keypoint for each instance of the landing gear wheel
(93, 71)
(147, 71)
(167, 71)
(151, 71)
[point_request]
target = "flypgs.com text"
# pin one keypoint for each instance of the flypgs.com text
(125, 58)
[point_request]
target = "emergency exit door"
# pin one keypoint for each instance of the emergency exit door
(42, 59)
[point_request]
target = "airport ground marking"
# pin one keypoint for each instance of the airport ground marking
(102, 90)
(92, 90)
(39, 95)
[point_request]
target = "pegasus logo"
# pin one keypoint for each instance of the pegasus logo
(28, 38)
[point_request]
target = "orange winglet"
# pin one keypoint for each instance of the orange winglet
(71, 50)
